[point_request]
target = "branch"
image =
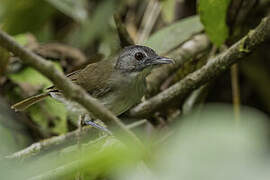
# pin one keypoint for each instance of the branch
(149, 19)
(54, 142)
(69, 89)
(211, 70)
(63, 141)
(198, 44)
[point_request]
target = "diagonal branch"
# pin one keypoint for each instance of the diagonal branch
(189, 49)
(69, 89)
(64, 140)
(212, 69)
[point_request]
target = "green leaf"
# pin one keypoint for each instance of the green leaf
(21, 39)
(31, 76)
(213, 16)
(50, 115)
(208, 143)
(95, 26)
(25, 16)
(75, 9)
(172, 36)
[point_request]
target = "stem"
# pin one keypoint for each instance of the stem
(235, 92)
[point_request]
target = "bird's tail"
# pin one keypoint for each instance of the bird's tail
(24, 104)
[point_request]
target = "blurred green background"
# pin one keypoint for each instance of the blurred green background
(188, 139)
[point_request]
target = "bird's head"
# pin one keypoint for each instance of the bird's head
(139, 58)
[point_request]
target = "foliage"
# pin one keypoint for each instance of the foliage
(183, 142)
(164, 40)
(213, 16)
(75, 9)
(197, 146)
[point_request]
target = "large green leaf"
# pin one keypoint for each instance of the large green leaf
(172, 36)
(95, 26)
(31, 76)
(25, 16)
(75, 9)
(209, 145)
(213, 16)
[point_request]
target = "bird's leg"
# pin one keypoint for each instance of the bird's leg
(80, 123)
(89, 121)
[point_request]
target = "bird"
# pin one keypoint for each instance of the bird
(118, 83)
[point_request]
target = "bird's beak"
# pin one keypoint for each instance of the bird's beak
(162, 60)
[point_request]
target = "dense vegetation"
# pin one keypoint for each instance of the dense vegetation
(206, 116)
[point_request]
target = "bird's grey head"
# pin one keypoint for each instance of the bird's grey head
(138, 58)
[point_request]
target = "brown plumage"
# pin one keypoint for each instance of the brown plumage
(92, 78)
(118, 83)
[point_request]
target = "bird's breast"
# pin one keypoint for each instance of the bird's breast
(127, 90)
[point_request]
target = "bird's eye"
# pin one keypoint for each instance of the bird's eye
(139, 56)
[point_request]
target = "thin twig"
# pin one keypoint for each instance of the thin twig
(211, 70)
(235, 92)
(197, 97)
(149, 19)
(137, 124)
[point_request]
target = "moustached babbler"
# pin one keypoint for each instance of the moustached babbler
(119, 83)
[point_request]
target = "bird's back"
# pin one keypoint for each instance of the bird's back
(117, 91)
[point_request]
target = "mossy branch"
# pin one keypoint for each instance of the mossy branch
(211, 70)
(191, 48)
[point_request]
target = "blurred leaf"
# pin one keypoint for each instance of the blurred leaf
(51, 115)
(213, 16)
(48, 114)
(27, 40)
(99, 158)
(210, 146)
(202, 147)
(13, 133)
(21, 39)
(95, 26)
(31, 76)
(172, 36)
(76, 9)
(167, 10)
(25, 16)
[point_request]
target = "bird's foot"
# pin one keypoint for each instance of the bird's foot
(95, 125)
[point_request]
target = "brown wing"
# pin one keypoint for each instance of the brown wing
(93, 78)
(72, 76)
